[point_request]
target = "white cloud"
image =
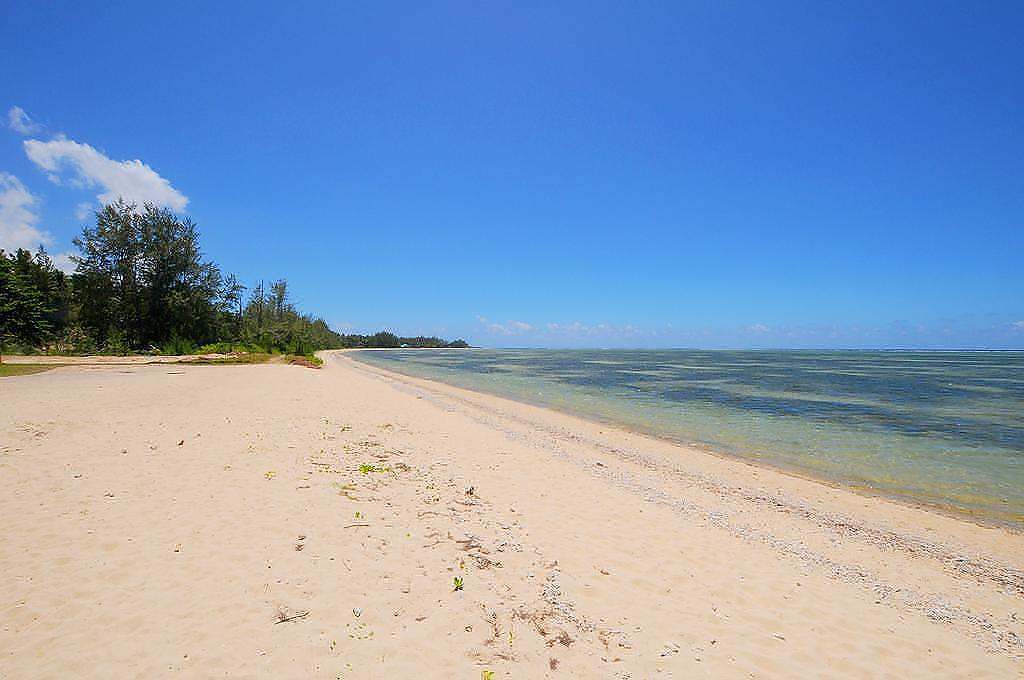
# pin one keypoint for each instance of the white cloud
(18, 217)
(84, 210)
(1017, 325)
(601, 330)
(134, 181)
(574, 328)
(758, 328)
(19, 221)
(62, 261)
(509, 328)
(564, 332)
(19, 121)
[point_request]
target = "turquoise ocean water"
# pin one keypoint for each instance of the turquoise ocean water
(945, 429)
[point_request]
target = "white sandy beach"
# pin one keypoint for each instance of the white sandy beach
(275, 521)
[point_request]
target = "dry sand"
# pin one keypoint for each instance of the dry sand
(213, 521)
(111, 360)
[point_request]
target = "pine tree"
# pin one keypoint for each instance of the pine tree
(23, 308)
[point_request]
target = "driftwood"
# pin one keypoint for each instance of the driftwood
(300, 615)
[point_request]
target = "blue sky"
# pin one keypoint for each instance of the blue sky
(639, 174)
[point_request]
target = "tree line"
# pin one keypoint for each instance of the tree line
(390, 340)
(141, 284)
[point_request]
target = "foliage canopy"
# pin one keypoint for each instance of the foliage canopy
(141, 283)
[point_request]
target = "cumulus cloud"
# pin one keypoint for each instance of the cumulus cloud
(19, 218)
(758, 328)
(62, 261)
(577, 329)
(132, 180)
(83, 210)
(19, 121)
(1017, 325)
(562, 333)
(574, 328)
(508, 328)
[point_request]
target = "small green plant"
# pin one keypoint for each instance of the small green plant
(117, 343)
(457, 584)
(367, 468)
(7, 370)
(487, 675)
(177, 346)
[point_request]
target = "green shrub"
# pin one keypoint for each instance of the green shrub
(116, 343)
(178, 345)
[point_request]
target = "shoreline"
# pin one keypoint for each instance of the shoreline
(259, 520)
(708, 450)
(1013, 526)
(890, 524)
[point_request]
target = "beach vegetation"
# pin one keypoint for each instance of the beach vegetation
(28, 288)
(457, 583)
(141, 284)
(10, 370)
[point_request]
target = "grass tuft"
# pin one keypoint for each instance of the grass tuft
(11, 370)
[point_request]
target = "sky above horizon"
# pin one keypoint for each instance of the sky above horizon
(582, 175)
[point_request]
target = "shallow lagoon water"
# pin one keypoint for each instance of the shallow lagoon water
(945, 429)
